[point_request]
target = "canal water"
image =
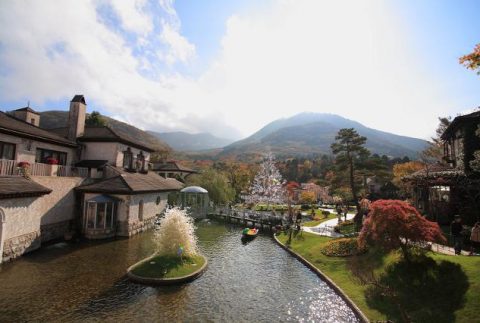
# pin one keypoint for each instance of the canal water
(255, 282)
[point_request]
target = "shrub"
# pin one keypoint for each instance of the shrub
(343, 247)
(394, 224)
(305, 207)
(345, 227)
(325, 213)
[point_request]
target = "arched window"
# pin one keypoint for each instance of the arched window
(140, 210)
(128, 159)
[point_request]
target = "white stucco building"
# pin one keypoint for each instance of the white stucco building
(81, 179)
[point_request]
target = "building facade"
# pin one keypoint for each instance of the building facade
(443, 190)
(78, 179)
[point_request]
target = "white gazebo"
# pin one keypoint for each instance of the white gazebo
(196, 199)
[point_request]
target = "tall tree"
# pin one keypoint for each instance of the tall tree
(216, 183)
(95, 119)
(348, 147)
(434, 152)
(472, 60)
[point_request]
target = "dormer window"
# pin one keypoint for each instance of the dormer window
(128, 159)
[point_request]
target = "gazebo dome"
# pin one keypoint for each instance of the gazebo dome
(194, 189)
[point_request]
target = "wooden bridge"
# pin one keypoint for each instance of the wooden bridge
(247, 217)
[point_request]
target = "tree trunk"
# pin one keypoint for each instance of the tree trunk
(352, 182)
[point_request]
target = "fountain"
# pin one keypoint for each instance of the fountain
(176, 259)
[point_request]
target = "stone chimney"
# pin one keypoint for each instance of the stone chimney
(76, 117)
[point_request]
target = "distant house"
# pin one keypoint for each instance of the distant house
(443, 190)
(172, 169)
(91, 180)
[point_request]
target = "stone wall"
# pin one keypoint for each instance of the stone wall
(132, 224)
(55, 231)
(17, 246)
(29, 221)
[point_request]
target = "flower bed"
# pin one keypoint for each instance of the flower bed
(343, 247)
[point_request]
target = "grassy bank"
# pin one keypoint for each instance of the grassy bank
(169, 267)
(434, 288)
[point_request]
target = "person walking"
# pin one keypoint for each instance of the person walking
(475, 239)
(456, 229)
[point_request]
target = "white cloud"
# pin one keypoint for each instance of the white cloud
(345, 57)
(180, 49)
(133, 15)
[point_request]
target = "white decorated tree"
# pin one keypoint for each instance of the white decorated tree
(267, 186)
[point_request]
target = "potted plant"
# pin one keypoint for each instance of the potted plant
(52, 161)
(24, 168)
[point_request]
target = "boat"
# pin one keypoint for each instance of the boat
(248, 233)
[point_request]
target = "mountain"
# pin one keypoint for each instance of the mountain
(183, 141)
(58, 119)
(308, 133)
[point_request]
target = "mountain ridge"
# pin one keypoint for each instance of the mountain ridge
(184, 141)
(56, 119)
(311, 132)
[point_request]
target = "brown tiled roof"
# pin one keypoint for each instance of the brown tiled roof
(18, 186)
(28, 109)
(106, 134)
(171, 166)
(132, 183)
(15, 127)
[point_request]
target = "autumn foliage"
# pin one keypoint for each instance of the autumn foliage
(393, 224)
(472, 60)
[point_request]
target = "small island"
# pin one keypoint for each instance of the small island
(177, 259)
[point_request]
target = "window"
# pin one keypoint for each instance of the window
(128, 159)
(43, 155)
(7, 151)
(32, 121)
(100, 215)
(140, 210)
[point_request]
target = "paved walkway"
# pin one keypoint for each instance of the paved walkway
(326, 229)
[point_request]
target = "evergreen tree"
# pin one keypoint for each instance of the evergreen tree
(95, 119)
(349, 150)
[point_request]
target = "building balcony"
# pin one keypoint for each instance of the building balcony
(18, 168)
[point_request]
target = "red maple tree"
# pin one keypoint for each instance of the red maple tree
(393, 224)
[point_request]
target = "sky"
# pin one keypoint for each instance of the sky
(230, 67)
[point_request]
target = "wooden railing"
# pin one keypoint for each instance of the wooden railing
(10, 168)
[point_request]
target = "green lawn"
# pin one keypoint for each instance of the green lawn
(169, 266)
(435, 288)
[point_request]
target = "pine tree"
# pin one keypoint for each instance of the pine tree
(267, 185)
(348, 146)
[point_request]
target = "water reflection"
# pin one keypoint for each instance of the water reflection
(256, 281)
